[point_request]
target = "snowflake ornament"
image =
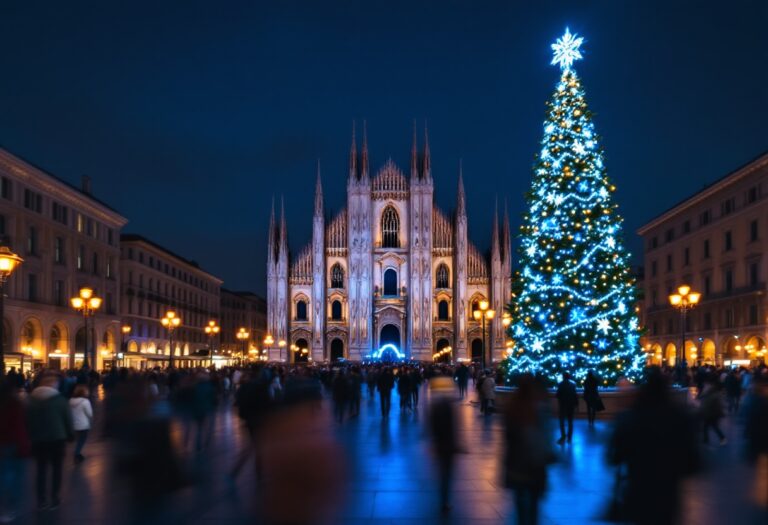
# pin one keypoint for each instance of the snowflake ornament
(566, 50)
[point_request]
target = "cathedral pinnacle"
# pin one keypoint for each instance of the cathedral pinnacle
(318, 193)
(364, 154)
(461, 205)
(414, 155)
(353, 156)
(427, 166)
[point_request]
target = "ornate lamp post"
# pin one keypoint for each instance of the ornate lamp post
(684, 300)
(86, 303)
(171, 321)
(268, 342)
(281, 344)
(482, 314)
(124, 331)
(8, 262)
(243, 335)
(212, 330)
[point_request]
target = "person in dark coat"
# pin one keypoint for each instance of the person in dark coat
(14, 445)
(655, 440)
(733, 391)
(340, 389)
(49, 420)
(462, 379)
(444, 434)
(567, 401)
(385, 383)
(404, 389)
(591, 397)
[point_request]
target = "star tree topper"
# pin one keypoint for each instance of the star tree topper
(566, 49)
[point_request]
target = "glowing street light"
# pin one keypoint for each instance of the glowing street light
(211, 329)
(684, 300)
(484, 313)
(171, 322)
(8, 262)
(243, 335)
(86, 303)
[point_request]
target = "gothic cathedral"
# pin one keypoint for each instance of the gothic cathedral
(389, 273)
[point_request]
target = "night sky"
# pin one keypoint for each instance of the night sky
(189, 116)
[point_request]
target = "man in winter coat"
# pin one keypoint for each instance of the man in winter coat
(50, 426)
(567, 400)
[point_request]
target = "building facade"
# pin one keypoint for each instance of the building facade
(390, 269)
(716, 242)
(68, 240)
(242, 310)
(154, 281)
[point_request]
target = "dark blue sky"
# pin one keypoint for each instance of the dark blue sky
(189, 116)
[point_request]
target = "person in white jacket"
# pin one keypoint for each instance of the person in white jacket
(82, 415)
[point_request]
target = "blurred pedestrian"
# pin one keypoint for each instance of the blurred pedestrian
(404, 389)
(733, 391)
(592, 397)
(385, 384)
(527, 449)
(444, 434)
(82, 416)
(50, 427)
(487, 388)
(14, 446)
(462, 379)
(340, 390)
(711, 410)
(354, 383)
(655, 442)
(567, 401)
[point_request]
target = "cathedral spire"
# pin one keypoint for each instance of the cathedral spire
(318, 193)
(353, 156)
(364, 154)
(495, 251)
(506, 239)
(271, 241)
(427, 165)
(414, 155)
(461, 204)
(283, 229)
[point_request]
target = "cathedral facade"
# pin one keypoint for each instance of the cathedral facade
(390, 276)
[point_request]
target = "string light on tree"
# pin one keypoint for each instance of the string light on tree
(570, 307)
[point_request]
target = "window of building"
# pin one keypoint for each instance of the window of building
(687, 256)
(753, 314)
(95, 264)
(752, 194)
(110, 303)
(58, 250)
(59, 212)
(58, 293)
(653, 268)
(442, 280)
(706, 248)
(32, 287)
(81, 257)
(6, 188)
(707, 285)
(337, 276)
(687, 226)
(654, 297)
(32, 241)
(728, 206)
(669, 235)
(336, 310)
(80, 223)
(442, 310)
(728, 280)
(728, 318)
(301, 310)
(654, 243)
(110, 262)
(33, 201)
(707, 320)
(753, 230)
(2, 224)
(390, 282)
(704, 218)
(669, 262)
(728, 241)
(390, 228)
(754, 274)
(89, 227)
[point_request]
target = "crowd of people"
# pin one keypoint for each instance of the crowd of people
(653, 444)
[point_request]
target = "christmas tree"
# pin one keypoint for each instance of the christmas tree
(573, 306)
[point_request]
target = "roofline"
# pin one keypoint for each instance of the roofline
(730, 178)
(58, 180)
(135, 237)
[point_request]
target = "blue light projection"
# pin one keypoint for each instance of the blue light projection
(392, 348)
(571, 309)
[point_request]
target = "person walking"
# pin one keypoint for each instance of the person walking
(444, 434)
(354, 383)
(711, 410)
(567, 401)
(487, 394)
(404, 389)
(385, 383)
(462, 379)
(50, 426)
(733, 391)
(14, 445)
(592, 398)
(340, 395)
(82, 416)
(527, 449)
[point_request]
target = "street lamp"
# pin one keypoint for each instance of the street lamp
(124, 330)
(268, 341)
(484, 313)
(87, 303)
(171, 321)
(243, 335)
(212, 329)
(684, 300)
(8, 262)
(281, 344)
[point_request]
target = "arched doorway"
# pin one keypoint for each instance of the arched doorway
(708, 352)
(732, 348)
(301, 355)
(670, 354)
(390, 335)
(756, 348)
(337, 349)
(477, 350)
(441, 345)
(655, 354)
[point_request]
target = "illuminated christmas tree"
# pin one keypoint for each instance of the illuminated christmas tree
(573, 307)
